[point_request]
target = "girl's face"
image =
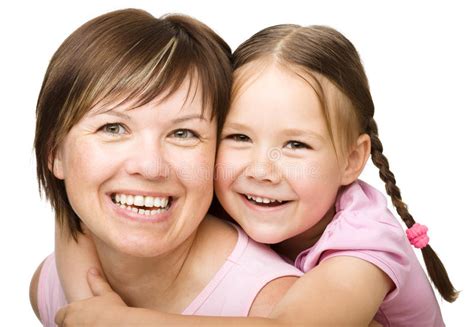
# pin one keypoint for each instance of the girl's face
(141, 179)
(277, 171)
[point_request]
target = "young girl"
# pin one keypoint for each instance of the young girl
(298, 135)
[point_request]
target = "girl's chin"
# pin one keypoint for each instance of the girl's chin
(264, 235)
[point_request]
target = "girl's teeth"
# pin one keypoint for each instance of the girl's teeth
(261, 200)
(130, 200)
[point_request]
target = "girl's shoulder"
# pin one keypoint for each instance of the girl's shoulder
(362, 227)
(362, 215)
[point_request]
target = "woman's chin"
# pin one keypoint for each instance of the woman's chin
(140, 245)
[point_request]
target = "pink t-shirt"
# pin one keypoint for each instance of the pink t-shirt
(230, 292)
(363, 227)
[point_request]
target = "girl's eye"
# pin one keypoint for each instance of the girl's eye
(113, 129)
(297, 145)
(238, 138)
(183, 134)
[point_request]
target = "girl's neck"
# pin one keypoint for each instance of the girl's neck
(291, 247)
(147, 282)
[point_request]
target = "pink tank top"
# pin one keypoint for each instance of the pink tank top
(230, 292)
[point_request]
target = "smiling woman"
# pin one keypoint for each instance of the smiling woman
(142, 155)
(127, 121)
(127, 59)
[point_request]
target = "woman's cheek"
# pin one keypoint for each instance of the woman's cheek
(193, 166)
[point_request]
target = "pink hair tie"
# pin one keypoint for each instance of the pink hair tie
(417, 235)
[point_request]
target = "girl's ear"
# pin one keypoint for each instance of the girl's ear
(356, 159)
(55, 164)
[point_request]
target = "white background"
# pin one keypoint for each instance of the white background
(419, 60)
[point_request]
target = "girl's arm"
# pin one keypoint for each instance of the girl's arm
(73, 260)
(340, 291)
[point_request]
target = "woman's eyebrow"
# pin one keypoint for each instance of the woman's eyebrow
(189, 117)
(110, 111)
(116, 113)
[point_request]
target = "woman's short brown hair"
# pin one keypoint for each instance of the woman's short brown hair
(130, 55)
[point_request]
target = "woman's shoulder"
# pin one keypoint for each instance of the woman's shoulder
(240, 249)
(216, 230)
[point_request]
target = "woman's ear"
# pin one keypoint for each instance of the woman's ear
(55, 164)
(356, 159)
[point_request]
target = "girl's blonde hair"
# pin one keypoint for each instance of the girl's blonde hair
(324, 54)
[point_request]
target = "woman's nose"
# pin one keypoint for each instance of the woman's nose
(148, 159)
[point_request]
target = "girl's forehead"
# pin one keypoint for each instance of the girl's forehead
(267, 81)
(246, 75)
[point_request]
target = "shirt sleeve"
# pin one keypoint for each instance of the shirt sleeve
(364, 228)
(50, 293)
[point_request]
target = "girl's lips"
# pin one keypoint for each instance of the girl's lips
(264, 207)
(122, 211)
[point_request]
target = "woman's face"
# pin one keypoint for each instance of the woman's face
(141, 179)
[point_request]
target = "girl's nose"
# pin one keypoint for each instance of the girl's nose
(264, 166)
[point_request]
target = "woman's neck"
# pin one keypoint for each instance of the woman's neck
(170, 282)
(147, 282)
(291, 247)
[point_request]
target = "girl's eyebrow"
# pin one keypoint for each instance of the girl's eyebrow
(235, 126)
(289, 132)
(302, 132)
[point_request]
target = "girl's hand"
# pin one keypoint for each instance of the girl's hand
(105, 308)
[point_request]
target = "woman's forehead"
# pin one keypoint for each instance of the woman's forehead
(188, 97)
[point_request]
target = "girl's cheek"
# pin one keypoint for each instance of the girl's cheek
(226, 172)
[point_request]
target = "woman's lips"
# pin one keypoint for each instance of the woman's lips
(142, 210)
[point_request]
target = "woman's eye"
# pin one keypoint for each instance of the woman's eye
(184, 134)
(113, 129)
(238, 138)
(297, 145)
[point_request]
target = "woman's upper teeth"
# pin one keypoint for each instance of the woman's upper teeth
(259, 199)
(141, 200)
